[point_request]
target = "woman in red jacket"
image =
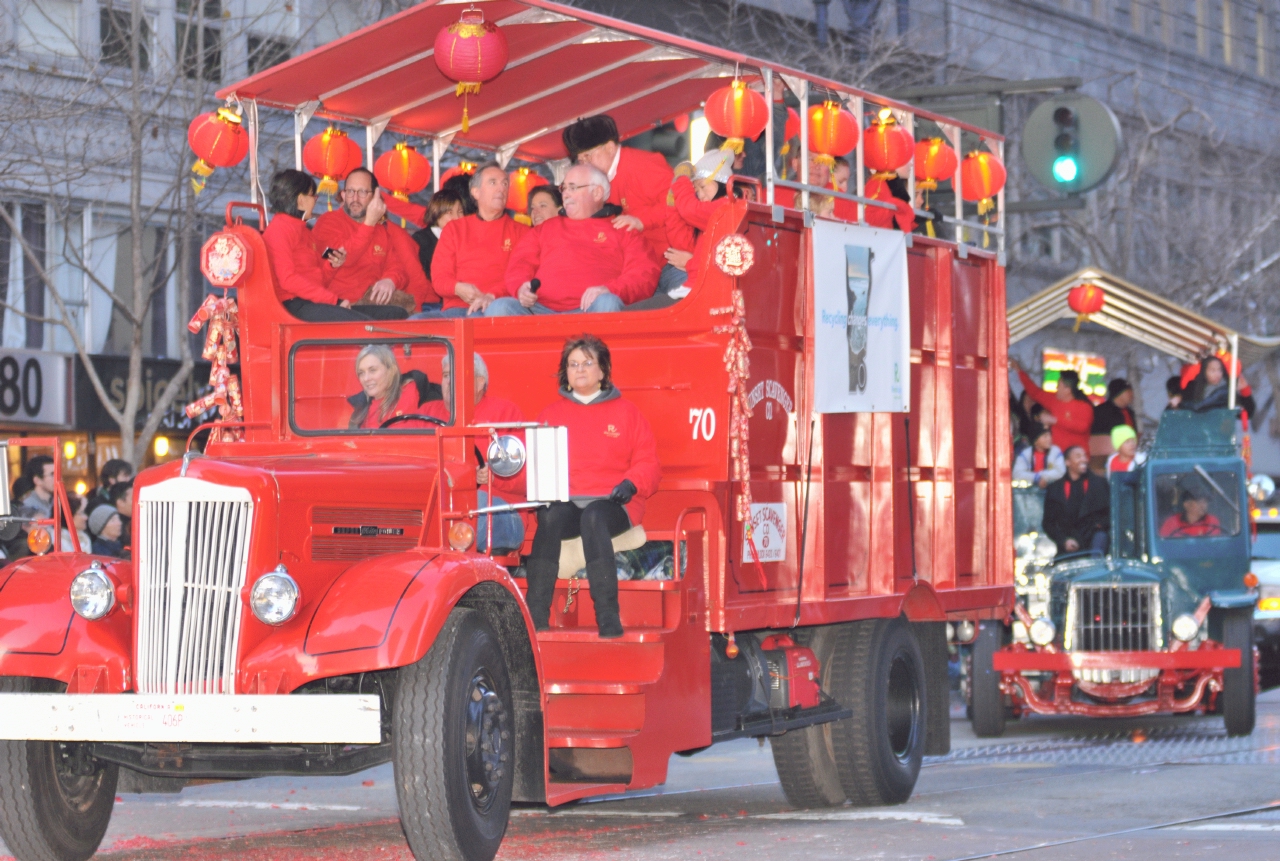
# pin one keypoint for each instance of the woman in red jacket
(613, 469)
(384, 394)
(1070, 413)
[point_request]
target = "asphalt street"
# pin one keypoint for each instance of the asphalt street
(1050, 790)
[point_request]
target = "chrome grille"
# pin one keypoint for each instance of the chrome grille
(191, 560)
(1121, 617)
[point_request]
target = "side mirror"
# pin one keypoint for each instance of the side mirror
(5, 503)
(506, 456)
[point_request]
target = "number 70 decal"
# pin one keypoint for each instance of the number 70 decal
(703, 422)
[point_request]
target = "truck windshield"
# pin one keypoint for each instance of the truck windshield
(1197, 503)
(369, 387)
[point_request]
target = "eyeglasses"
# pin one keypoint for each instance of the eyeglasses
(582, 366)
(358, 192)
(566, 188)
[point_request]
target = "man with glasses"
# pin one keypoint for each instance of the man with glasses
(582, 261)
(372, 277)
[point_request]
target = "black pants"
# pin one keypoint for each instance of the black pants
(316, 312)
(598, 523)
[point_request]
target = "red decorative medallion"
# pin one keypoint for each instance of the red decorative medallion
(734, 255)
(224, 260)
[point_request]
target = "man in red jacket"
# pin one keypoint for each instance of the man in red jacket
(639, 181)
(471, 257)
(1070, 413)
(372, 274)
(581, 260)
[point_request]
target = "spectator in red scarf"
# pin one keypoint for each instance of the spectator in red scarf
(1077, 507)
(1070, 413)
(1040, 463)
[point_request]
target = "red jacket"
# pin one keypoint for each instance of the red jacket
(640, 186)
(301, 273)
(1075, 417)
(414, 213)
(474, 251)
(369, 254)
(695, 214)
(569, 256)
(405, 405)
(609, 440)
(406, 251)
(491, 409)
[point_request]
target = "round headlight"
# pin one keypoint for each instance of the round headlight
(1185, 627)
(1024, 545)
(1042, 632)
(92, 593)
(461, 535)
(274, 598)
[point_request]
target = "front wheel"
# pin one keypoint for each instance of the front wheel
(986, 699)
(453, 745)
(1239, 691)
(55, 799)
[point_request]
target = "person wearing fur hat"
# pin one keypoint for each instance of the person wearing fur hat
(638, 180)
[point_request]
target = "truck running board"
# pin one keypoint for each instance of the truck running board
(776, 722)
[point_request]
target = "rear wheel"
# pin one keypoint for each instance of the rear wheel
(453, 745)
(805, 758)
(986, 700)
(1239, 691)
(55, 799)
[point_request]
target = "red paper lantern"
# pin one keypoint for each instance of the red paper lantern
(470, 51)
(737, 113)
(935, 162)
(463, 168)
(792, 128)
(832, 132)
(402, 171)
(523, 181)
(887, 145)
(1086, 299)
(981, 177)
(331, 155)
(219, 140)
(681, 123)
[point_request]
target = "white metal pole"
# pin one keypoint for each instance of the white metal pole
(251, 113)
(1235, 356)
(804, 143)
(768, 138)
(859, 160)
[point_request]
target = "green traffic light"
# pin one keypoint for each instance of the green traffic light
(1066, 168)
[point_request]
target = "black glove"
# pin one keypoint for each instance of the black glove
(623, 492)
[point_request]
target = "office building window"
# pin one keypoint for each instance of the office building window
(115, 29)
(267, 51)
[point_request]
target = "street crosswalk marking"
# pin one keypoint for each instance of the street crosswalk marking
(863, 815)
(259, 805)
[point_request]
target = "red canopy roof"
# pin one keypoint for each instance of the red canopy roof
(565, 63)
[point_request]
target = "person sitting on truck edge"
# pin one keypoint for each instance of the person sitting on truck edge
(613, 469)
(445, 206)
(1040, 463)
(1209, 389)
(638, 181)
(1116, 410)
(819, 175)
(1194, 519)
(1124, 440)
(302, 275)
(1070, 413)
(385, 393)
(582, 261)
(474, 251)
(1077, 507)
(508, 527)
(544, 202)
(371, 274)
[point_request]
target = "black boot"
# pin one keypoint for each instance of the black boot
(541, 576)
(603, 577)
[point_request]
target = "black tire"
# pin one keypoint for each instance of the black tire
(879, 673)
(985, 699)
(805, 758)
(1239, 691)
(55, 801)
(453, 745)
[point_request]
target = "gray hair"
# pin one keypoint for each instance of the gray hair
(596, 175)
(478, 366)
(474, 182)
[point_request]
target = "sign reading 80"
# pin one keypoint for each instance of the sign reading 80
(21, 387)
(33, 387)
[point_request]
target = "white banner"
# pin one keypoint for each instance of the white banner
(862, 336)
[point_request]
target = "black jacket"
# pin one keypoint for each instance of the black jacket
(426, 239)
(1080, 514)
(1107, 415)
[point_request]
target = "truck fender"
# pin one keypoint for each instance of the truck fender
(921, 604)
(1235, 600)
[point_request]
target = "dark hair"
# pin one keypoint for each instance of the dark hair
(1199, 385)
(1067, 454)
(35, 467)
(441, 202)
(841, 161)
(112, 469)
(556, 197)
(118, 491)
(593, 347)
(1118, 387)
(22, 485)
(1044, 429)
(1173, 385)
(1071, 379)
(461, 186)
(286, 185)
(372, 179)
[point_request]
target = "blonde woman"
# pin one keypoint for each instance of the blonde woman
(384, 394)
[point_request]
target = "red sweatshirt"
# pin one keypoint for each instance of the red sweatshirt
(413, 213)
(301, 273)
(369, 255)
(571, 255)
(609, 440)
(406, 251)
(405, 405)
(1075, 417)
(474, 251)
(491, 409)
(695, 214)
(640, 187)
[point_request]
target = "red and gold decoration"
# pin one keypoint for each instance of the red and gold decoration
(331, 155)
(832, 132)
(464, 168)
(887, 146)
(522, 181)
(225, 260)
(402, 171)
(218, 139)
(981, 177)
(470, 51)
(737, 113)
(1085, 299)
(935, 162)
(789, 131)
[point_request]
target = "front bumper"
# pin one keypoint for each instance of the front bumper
(229, 719)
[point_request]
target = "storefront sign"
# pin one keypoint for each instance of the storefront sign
(91, 415)
(33, 388)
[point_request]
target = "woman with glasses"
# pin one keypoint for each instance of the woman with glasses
(613, 469)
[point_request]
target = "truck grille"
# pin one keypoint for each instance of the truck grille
(1114, 618)
(191, 560)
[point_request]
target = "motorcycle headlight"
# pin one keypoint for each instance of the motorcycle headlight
(1185, 627)
(1042, 631)
(274, 598)
(92, 593)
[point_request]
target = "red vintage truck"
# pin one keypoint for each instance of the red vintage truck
(306, 599)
